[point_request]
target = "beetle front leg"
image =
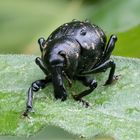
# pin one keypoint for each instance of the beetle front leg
(35, 86)
(87, 81)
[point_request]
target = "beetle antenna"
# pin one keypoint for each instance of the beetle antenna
(42, 43)
(67, 78)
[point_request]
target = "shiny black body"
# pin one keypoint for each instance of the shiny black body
(83, 42)
(72, 51)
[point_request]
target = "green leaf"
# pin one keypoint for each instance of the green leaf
(128, 43)
(114, 111)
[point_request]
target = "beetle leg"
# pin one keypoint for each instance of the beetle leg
(109, 48)
(108, 64)
(87, 81)
(35, 86)
(39, 62)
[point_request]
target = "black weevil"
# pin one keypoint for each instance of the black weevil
(72, 51)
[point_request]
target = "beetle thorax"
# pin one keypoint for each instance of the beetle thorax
(62, 52)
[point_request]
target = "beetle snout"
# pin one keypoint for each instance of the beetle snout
(60, 95)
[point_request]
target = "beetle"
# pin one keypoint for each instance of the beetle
(71, 52)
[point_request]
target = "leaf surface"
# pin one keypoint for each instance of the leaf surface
(114, 111)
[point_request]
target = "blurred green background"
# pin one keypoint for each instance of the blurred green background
(22, 22)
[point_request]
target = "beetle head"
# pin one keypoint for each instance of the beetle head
(55, 54)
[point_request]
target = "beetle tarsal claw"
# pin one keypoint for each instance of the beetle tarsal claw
(116, 77)
(84, 103)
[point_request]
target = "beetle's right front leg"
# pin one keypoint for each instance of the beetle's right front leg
(35, 86)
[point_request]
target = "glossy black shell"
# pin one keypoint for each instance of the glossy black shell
(91, 38)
